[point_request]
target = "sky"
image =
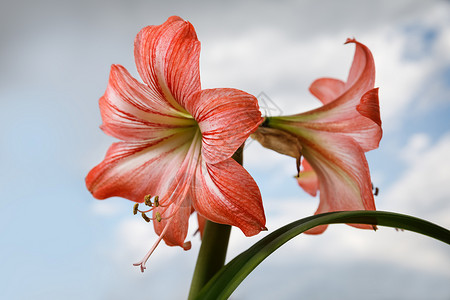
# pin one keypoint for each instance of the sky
(57, 241)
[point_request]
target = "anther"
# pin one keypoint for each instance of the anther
(158, 216)
(145, 217)
(135, 208)
(147, 200)
(156, 201)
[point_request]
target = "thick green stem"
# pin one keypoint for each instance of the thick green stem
(213, 251)
(211, 257)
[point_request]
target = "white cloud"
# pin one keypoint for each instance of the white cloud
(107, 208)
(424, 189)
(413, 150)
(273, 62)
(283, 65)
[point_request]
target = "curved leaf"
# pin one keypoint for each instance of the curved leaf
(231, 275)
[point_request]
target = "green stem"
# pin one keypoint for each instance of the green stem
(213, 251)
(211, 257)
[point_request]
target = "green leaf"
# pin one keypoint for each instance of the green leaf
(222, 285)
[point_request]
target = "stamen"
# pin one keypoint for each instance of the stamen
(145, 217)
(147, 200)
(158, 217)
(135, 208)
(147, 256)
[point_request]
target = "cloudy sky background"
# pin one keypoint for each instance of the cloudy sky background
(56, 241)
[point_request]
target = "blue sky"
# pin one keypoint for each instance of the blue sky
(57, 241)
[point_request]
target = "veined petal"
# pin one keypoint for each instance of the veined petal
(334, 137)
(201, 224)
(178, 223)
(361, 79)
(176, 203)
(131, 111)
(167, 58)
(133, 170)
(342, 170)
(226, 118)
(355, 110)
(362, 71)
(369, 107)
(225, 193)
(362, 122)
(308, 179)
(327, 89)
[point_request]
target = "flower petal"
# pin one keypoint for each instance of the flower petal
(201, 224)
(369, 107)
(178, 224)
(361, 78)
(133, 170)
(308, 179)
(225, 193)
(327, 89)
(342, 114)
(342, 170)
(226, 118)
(167, 58)
(362, 123)
(131, 111)
(362, 71)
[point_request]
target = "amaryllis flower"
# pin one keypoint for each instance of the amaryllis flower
(333, 138)
(177, 140)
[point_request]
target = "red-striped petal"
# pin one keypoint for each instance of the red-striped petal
(226, 118)
(178, 223)
(355, 112)
(308, 179)
(343, 173)
(133, 170)
(167, 58)
(132, 111)
(327, 89)
(225, 193)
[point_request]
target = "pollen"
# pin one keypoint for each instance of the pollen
(148, 200)
(135, 208)
(145, 217)
(152, 204)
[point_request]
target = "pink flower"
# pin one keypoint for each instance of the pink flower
(177, 140)
(333, 138)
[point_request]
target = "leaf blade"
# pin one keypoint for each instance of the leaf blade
(222, 285)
